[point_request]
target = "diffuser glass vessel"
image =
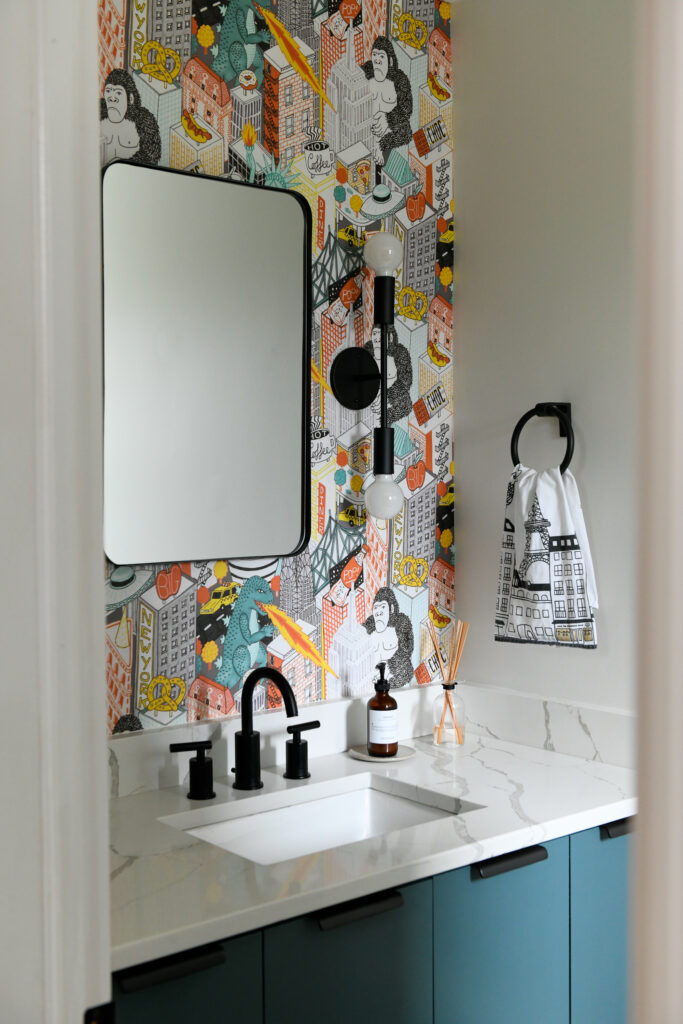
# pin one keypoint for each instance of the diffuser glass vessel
(448, 717)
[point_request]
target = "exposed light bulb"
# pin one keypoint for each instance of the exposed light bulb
(383, 498)
(383, 253)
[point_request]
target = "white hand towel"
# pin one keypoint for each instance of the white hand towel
(546, 583)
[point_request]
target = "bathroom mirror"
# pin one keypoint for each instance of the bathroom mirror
(206, 367)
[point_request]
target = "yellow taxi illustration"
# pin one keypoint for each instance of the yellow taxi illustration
(353, 516)
(349, 235)
(448, 496)
(221, 597)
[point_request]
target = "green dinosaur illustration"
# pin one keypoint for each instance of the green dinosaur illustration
(237, 49)
(244, 648)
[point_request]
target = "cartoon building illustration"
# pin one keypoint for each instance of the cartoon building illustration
(111, 23)
(288, 112)
(431, 160)
(202, 150)
(208, 699)
(334, 38)
(118, 669)
(414, 602)
(205, 94)
(398, 175)
(170, 25)
(422, 439)
(434, 105)
(418, 236)
(303, 676)
(297, 17)
(322, 495)
(296, 587)
(334, 615)
(374, 23)
(340, 327)
(167, 631)
(258, 702)
(440, 320)
(376, 565)
(247, 108)
(347, 87)
(241, 161)
(318, 192)
(418, 512)
(413, 63)
(435, 372)
(421, 19)
(441, 586)
(355, 160)
(354, 448)
(571, 611)
(268, 125)
(351, 657)
(439, 57)
(165, 101)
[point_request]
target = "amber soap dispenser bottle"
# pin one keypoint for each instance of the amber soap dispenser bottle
(382, 719)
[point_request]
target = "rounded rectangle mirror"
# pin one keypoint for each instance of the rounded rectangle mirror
(206, 367)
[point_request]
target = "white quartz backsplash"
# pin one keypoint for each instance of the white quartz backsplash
(141, 761)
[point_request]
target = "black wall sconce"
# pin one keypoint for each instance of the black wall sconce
(355, 377)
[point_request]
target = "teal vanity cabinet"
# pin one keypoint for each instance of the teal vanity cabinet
(217, 983)
(363, 961)
(599, 863)
(537, 936)
(501, 939)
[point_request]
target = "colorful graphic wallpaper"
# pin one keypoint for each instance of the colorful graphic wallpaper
(331, 98)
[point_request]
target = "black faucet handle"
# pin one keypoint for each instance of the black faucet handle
(201, 769)
(301, 727)
(297, 751)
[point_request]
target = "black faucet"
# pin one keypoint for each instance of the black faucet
(247, 742)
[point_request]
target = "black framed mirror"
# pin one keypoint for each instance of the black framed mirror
(206, 367)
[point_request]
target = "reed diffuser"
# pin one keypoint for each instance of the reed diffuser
(449, 710)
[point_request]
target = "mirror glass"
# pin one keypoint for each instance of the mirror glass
(206, 364)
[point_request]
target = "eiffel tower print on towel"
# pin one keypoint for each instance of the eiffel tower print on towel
(543, 597)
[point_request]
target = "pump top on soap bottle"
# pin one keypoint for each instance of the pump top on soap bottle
(382, 719)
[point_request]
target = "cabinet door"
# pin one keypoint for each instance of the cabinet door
(213, 984)
(599, 924)
(501, 942)
(368, 960)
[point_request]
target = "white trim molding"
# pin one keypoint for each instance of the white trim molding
(53, 857)
(658, 879)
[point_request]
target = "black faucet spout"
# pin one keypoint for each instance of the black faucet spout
(253, 679)
(247, 742)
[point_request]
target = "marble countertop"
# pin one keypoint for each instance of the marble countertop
(171, 891)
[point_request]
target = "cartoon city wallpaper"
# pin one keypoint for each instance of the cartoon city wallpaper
(329, 98)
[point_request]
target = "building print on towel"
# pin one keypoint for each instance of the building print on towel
(544, 588)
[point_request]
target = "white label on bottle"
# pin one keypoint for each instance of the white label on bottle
(382, 726)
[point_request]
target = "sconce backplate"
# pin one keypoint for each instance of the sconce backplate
(354, 378)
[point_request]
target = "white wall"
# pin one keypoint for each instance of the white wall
(547, 311)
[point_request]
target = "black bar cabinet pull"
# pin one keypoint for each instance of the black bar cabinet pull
(616, 828)
(509, 862)
(356, 910)
(171, 967)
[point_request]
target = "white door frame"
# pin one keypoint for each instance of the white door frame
(53, 845)
(53, 852)
(658, 880)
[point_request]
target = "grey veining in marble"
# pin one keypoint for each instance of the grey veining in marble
(171, 891)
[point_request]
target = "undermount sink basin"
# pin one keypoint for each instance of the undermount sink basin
(273, 827)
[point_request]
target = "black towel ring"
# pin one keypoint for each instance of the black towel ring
(564, 415)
